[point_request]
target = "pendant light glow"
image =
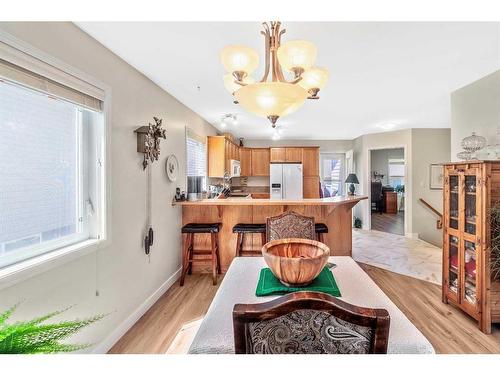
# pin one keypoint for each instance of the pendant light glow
(278, 97)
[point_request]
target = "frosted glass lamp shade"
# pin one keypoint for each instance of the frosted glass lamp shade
(297, 54)
(233, 87)
(271, 98)
(239, 59)
(314, 78)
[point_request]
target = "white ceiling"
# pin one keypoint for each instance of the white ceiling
(383, 76)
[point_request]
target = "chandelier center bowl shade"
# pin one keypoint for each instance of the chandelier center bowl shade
(271, 98)
(276, 97)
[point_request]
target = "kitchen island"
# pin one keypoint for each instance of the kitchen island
(335, 212)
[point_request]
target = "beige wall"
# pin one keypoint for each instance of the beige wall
(476, 107)
(429, 146)
(422, 147)
(121, 273)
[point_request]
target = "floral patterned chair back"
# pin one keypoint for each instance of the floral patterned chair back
(290, 225)
(309, 323)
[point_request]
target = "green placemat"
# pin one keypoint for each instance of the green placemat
(268, 284)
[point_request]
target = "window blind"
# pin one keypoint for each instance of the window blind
(196, 154)
(16, 74)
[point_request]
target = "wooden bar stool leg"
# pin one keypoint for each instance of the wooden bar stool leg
(217, 252)
(190, 252)
(214, 259)
(263, 238)
(185, 258)
(238, 246)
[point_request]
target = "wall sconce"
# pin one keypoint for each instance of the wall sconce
(148, 141)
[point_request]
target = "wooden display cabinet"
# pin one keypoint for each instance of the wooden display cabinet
(470, 189)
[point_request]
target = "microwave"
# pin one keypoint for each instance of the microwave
(235, 168)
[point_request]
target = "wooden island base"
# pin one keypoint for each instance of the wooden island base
(334, 212)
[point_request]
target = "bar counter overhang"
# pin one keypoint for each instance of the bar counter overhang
(335, 212)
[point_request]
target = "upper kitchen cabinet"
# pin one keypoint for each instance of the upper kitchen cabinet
(310, 161)
(246, 161)
(220, 151)
(286, 154)
(293, 154)
(278, 154)
(260, 158)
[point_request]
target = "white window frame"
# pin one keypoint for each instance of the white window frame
(334, 155)
(190, 133)
(15, 273)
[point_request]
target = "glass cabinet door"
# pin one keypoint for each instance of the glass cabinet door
(453, 264)
(453, 201)
(469, 270)
(470, 205)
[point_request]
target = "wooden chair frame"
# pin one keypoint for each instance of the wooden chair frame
(377, 319)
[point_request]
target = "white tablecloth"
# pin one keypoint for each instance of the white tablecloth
(216, 331)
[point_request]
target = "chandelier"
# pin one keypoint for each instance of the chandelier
(278, 96)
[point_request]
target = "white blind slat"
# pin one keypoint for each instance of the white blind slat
(16, 74)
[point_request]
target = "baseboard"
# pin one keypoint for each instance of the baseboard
(412, 235)
(104, 346)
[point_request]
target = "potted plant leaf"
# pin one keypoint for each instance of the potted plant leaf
(38, 336)
(495, 242)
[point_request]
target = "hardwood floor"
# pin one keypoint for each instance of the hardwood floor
(447, 328)
(156, 330)
(390, 223)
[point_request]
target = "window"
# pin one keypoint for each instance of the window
(50, 157)
(196, 149)
(396, 172)
(332, 174)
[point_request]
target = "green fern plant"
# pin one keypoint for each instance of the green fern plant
(31, 337)
(495, 241)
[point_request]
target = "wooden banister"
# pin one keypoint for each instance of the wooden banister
(439, 223)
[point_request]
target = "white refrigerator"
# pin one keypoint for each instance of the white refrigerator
(286, 181)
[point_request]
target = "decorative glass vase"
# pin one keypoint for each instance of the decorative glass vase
(473, 143)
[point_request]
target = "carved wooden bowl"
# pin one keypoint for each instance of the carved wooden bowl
(295, 261)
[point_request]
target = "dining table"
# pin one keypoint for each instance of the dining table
(215, 334)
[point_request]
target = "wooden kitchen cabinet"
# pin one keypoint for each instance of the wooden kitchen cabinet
(278, 154)
(310, 187)
(293, 154)
(260, 159)
(246, 161)
(220, 151)
(310, 161)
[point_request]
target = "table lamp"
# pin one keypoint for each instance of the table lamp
(351, 179)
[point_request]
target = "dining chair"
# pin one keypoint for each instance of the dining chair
(290, 225)
(309, 323)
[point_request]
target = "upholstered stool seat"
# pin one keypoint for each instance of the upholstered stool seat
(320, 229)
(241, 229)
(210, 256)
(249, 228)
(201, 228)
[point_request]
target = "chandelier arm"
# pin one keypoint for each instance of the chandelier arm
(267, 42)
(277, 43)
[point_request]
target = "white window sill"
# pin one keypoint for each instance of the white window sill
(21, 271)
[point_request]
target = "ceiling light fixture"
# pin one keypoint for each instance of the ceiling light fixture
(228, 118)
(278, 97)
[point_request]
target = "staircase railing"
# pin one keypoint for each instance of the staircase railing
(439, 222)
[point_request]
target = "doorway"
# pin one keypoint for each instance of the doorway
(387, 171)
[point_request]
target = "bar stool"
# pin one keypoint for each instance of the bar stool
(320, 229)
(189, 253)
(243, 229)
